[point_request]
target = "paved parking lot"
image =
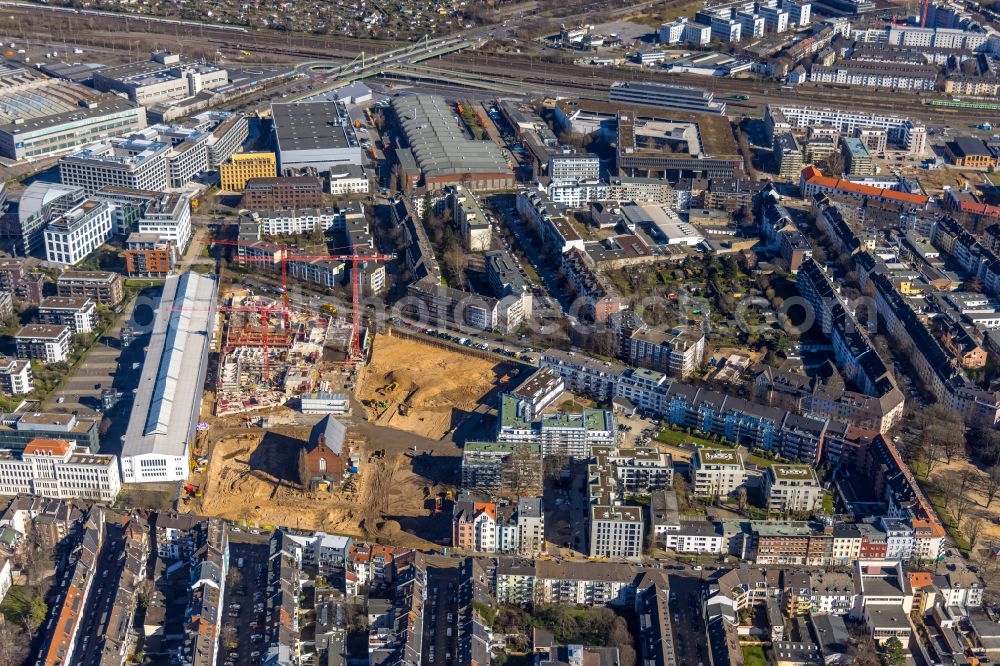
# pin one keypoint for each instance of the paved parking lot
(243, 622)
(99, 370)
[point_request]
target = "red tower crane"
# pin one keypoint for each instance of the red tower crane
(360, 255)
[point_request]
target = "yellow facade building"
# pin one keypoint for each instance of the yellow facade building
(235, 173)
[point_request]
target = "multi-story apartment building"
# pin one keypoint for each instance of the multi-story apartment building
(876, 75)
(717, 472)
(792, 489)
(901, 130)
(241, 167)
(15, 376)
(102, 286)
(71, 237)
(615, 531)
(573, 435)
(496, 466)
(469, 216)
(858, 161)
(638, 471)
(79, 313)
(787, 155)
(599, 297)
(298, 221)
(484, 526)
(59, 469)
(678, 352)
(51, 344)
(574, 166)
(148, 256)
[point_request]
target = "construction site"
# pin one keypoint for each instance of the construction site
(403, 460)
(251, 477)
(427, 389)
(270, 353)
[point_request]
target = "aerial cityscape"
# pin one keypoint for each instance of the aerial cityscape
(403, 333)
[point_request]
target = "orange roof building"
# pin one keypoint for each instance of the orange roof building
(48, 447)
(812, 181)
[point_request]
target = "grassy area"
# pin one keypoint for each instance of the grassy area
(679, 438)
(827, 503)
(667, 12)
(754, 655)
(937, 500)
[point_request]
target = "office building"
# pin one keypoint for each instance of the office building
(168, 400)
(40, 203)
(319, 135)
(698, 34)
(15, 376)
(574, 166)
(74, 235)
(717, 473)
(775, 19)
(61, 470)
(666, 96)
(79, 313)
(165, 77)
(148, 256)
(69, 128)
(792, 489)
(348, 179)
(51, 344)
(671, 33)
(20, 428)
(241, 167)
(137, 164)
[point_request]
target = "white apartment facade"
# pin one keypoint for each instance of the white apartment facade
(51, 344)
(15, 376)
(59, 469)
(77, 312)
(717, 472)
(792, 488)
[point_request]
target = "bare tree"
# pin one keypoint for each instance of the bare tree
(972, 529)
(992, 484)
(741, 499)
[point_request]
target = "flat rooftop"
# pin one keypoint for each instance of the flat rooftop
(719, 457)
(309, 126)
(793, 472)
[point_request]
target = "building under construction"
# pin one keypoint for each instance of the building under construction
(271, 352)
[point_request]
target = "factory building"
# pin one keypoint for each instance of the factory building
(168, 398)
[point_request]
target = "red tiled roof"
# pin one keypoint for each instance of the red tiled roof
(813, 176)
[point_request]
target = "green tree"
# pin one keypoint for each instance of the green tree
(893, 653)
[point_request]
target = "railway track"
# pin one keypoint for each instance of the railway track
(568, 76)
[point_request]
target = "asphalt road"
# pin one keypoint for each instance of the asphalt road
(99, 603)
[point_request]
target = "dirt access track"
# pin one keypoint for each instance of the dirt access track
(426, 389)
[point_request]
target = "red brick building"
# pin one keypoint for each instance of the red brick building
(322, 461)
